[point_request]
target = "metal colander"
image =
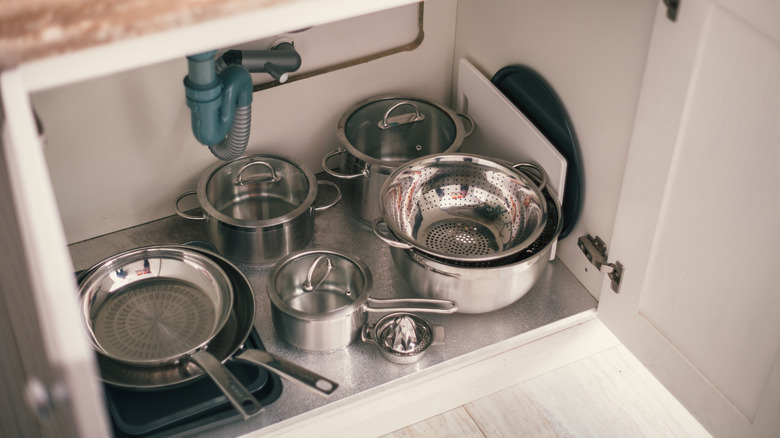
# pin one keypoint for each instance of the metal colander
(463, 207)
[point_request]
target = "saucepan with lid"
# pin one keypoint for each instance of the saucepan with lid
(381, 133)
(258, 208)
(320, 299)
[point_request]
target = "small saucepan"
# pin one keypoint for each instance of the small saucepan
(320, 299)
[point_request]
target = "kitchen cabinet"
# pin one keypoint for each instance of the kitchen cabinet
(699, 120)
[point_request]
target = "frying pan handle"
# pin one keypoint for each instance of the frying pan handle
(237, 394)
(392, 242)
(290, 371)
(540, 179)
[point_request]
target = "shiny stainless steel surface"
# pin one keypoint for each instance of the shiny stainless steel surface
(159, 307)
(360, 369)
(331, 315)
(402, 338)
(485, 287)
(257, 208)
(462, 207)
(379, 134)
(165, 302)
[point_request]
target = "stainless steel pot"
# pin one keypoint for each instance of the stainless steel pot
(320, 299)
(257, 208)
(485, 286)
(379, 134)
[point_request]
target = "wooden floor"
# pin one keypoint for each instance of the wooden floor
(609, 394)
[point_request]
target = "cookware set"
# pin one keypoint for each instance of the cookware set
(469, 233)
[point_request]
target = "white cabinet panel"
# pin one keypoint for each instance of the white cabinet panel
(696, 222)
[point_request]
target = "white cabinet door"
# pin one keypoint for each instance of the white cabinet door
(47, 368)
(697, 223)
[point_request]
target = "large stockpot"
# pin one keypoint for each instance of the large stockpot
(320, 299)
(481, 287)
(379, 134)
(257, 208)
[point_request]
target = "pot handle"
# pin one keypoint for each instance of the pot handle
(332, 172)
(389, 122)
(540, 179)
(236, 393)
(367, 333)
(288, 370)
(309, 285)
(392, 242)
(240, 181)
(338, 195)
(469, 122)
(422, 305)
(181, 213)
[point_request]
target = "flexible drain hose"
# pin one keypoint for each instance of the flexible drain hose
(234, 145)
(220, 104)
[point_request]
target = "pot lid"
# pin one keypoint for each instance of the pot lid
(319, 284)
(257, 190)
(394, 130)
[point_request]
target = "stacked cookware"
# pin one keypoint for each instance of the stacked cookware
(467, 228)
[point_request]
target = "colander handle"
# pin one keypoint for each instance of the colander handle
(332, 172)
(240, 181)
(392, 242)
(540, 179)
(181, 213)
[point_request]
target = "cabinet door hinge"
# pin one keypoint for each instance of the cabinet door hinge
(596, 251)
(672, 6)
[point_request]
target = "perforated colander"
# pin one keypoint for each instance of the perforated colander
(463, 207)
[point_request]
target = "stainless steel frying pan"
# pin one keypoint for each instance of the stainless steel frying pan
(227, 344)
(156, 306)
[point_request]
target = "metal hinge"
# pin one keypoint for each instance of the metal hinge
(596, 251)
(672, 6)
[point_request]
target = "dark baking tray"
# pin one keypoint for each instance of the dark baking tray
(194, 406)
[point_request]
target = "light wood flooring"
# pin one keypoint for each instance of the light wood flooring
(609, 394)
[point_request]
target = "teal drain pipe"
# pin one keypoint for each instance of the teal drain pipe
(220, 105)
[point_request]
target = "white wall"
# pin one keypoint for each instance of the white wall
(593, 54)
(120, 148)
